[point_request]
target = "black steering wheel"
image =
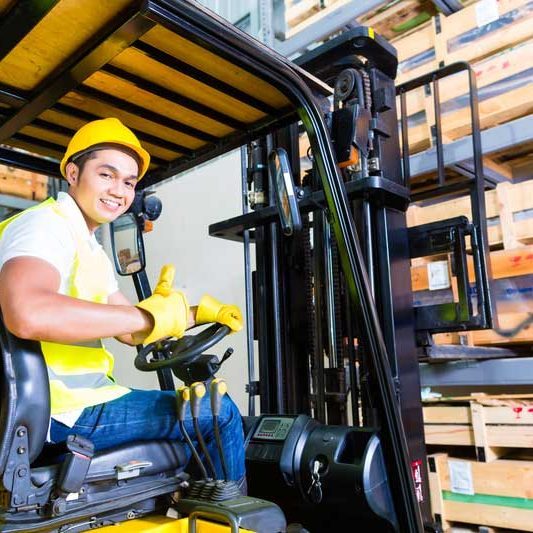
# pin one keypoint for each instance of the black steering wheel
(182, 351)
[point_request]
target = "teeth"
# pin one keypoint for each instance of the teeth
(111, 202)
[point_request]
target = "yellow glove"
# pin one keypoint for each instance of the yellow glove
(168, 307)
(211, 310)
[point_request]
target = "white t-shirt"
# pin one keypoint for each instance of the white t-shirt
(42, 234)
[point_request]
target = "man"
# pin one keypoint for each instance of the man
(58, 287)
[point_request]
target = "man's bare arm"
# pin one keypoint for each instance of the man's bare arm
(33, 309)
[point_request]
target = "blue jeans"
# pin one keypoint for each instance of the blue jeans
(148, 415)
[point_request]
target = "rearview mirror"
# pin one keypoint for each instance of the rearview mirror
(127, 245)
(281, 178)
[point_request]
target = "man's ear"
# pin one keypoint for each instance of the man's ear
(72, 173)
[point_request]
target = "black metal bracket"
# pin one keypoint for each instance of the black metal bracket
(360, 41)
(448, 237)
(379, 190)
(253, 388)
(474, 185)
(17, 475)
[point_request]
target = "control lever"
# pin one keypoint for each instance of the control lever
(183, 395)
(217, 389)
(197, 393)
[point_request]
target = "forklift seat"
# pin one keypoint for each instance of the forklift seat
(38, 486)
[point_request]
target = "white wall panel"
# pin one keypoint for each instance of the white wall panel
(203, 264)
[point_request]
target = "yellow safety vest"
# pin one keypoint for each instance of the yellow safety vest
(80, 375)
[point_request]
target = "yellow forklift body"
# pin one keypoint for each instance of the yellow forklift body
(161, 524)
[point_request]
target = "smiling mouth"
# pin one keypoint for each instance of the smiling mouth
(111, 203)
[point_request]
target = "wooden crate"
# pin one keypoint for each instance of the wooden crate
(22, 183)
(493, 495)
(505, 264)
(297, 12)
(504, 84)
(468, 35)
(300, 14)
(511, 268)
(491, 424)
(509, 210)
(392, 19)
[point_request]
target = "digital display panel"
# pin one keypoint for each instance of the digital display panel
(270, 426)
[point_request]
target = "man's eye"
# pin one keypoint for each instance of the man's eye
(130, 185)
(105, 175)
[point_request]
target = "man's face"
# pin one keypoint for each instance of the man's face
(106, 187)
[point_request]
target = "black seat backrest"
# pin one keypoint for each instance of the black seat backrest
(25, 391)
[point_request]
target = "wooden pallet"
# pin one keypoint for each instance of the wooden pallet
(491, 495)
(494, 426)
(22, 183)
(468, 35)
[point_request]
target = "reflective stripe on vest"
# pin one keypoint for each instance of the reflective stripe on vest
(80, 374)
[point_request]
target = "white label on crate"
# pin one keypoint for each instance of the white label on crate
(461, 480)
(486, 12)
(438, 275)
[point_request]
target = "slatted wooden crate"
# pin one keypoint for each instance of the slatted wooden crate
(504, 81)
(299, 13)
(492, 495)
(395, 18)
(22, 183)
(509, 211)
(493, 425)
(391, 19)
(473, 33)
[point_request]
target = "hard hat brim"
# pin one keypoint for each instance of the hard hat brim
(143, 159)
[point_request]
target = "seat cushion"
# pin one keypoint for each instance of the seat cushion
(160, 456)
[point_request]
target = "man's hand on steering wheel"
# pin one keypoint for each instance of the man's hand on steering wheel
(211, 310)
(170, 311)
(169, 308)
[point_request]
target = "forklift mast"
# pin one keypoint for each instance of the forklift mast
(333, 309)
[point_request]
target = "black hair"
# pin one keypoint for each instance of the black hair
(81, 159)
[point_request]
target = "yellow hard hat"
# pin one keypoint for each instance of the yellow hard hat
(107, 131)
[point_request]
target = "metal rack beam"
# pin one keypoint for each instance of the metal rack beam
(512, 371)
(15, 202)
(324, 23)
(493, 140)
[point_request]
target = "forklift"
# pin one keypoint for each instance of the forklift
(338, 444)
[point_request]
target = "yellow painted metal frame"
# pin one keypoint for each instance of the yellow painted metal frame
(161, 524)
